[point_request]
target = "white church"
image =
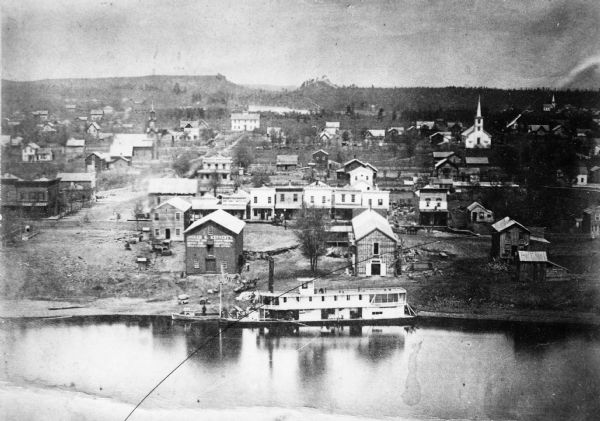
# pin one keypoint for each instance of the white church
(475, 136)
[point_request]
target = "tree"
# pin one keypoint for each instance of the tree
(181, 165)
(177, 89)
(243, 156)
(214, 182)
(138, 211)
(260, 178)
(310, 229)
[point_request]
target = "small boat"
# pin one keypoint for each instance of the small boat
(308, 305)
(190, 315)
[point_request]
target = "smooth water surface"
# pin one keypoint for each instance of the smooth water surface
(97, 369)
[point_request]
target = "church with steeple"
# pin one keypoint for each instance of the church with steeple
(475, 136)
(551, 106)
(151, 129)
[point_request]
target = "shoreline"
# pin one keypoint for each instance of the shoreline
(28, 310)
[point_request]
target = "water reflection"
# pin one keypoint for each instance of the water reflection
(489, 371)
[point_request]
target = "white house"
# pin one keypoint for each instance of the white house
(245, 122)
(360, 174)
(478, 213)
(332, 127)
(262, 203)
(582, 175)
(475, 136)
(29, 152)
(318, 195)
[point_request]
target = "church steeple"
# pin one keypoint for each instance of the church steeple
(152, 119)
(478, 117)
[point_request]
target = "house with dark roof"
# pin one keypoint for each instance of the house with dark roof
(286, 162)
(591, 221)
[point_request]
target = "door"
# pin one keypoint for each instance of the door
(211, 265)
(375, 268)
(167, 233)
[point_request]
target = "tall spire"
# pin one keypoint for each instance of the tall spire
(553, 100)
(478, 107)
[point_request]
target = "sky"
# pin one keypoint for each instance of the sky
(400, 43)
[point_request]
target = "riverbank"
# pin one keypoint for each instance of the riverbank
(134, 307)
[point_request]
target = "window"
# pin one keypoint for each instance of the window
(427, 202)
(177, 216)
(156, 216)
(255, 212)
(156, 232)
(309, 298)
(323, 298)
(255, 199)
(210, 230)
(282, 197)
(196, 264)
(22, 196)
(376, 312)
(360, 297)
(379, 202)
(269, 199)
(323, 199)
(347, 298)
(370, 202)
(312, 199)
(305, 286)
(478, 140)
(343, 197)
(367, 177)
(295, 197)
(353, 198)
(177, 231)
(298, 299)
(335, 298)
(375, 248)
(284, 300)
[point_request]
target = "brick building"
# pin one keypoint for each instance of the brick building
(214, 244)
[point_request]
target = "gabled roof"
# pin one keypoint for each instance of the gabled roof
(475, 205)
(245, 116)
(123, 143)
(536, 127)
(318, 185)
(178, 203)
(445, 161)
(477, 160)
(287, 160)
(77, 177)
(322, 151)
(96, 126)
(364, 164)
(442, 154)
(172, 186)
(506, 223)
(369, 221)
(33, 145)
(376, 133)
(75, 142)
(222, 218)
(533, 256)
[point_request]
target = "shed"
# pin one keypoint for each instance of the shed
(531, 265)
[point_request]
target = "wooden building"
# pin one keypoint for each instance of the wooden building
(374, 250)
(286, 162)
(31, 198)
(77, 187)
(591, 221)
(433, 206)
(531, 266)
(214, 244)
(508, 237)
(97, 162)
(162, 189)
(321, 159)
(171, 218)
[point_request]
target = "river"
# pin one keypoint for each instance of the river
(98, 368)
